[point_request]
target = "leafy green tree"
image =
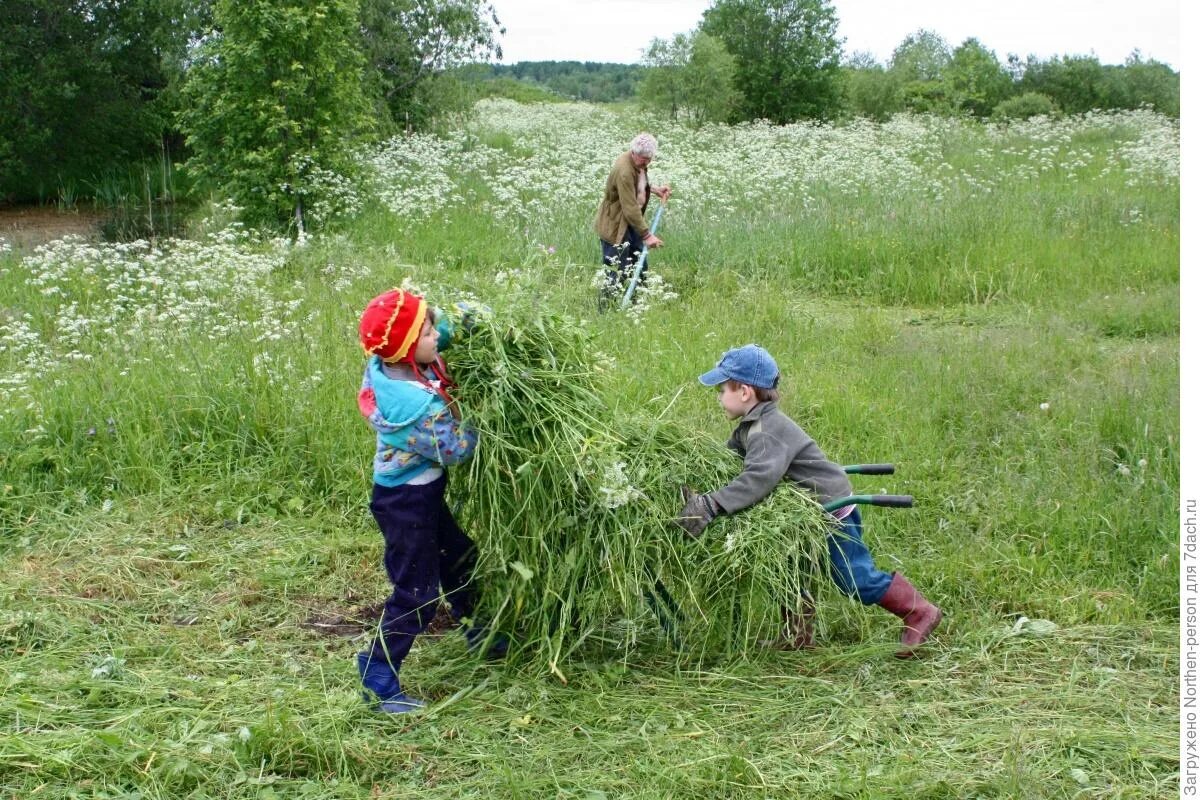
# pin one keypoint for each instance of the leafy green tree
(665, 60)
(1150, 83)
(689, 76)
(1075, 83)
(86, 85)
(786, 52)
(709, 81)
(871, 91)
(1081, 83)
(975, 79)
(918, 63)
(411, 46)
(920, 56)
(272, 100)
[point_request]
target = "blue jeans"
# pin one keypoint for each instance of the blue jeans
(423, 548)
(621, 259)
(851, 565)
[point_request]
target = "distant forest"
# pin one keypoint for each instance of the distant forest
(98, 96)
(590, 81)
(1071, 84)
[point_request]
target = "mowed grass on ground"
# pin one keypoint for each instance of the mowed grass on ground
(189, 564)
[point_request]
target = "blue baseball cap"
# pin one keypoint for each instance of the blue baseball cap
(751, 365)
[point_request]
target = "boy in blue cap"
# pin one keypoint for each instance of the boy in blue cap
(773, 447)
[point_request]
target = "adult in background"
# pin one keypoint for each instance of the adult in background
(620, 220)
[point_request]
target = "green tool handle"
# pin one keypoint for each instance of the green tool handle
(886, 500)
(641, 265)
(869, 469)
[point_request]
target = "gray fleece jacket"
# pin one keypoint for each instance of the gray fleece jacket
(772, 448)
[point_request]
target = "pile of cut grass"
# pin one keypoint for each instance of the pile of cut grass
(573, 507)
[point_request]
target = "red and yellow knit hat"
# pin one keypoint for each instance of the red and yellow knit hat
(391, 325)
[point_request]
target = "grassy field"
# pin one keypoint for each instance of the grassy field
(189, 564)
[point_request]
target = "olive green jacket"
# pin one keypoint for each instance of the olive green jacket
(619, 207)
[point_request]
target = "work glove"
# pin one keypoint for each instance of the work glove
(698, 511)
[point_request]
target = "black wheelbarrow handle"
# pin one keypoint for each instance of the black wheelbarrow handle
(887, 500)
(870, 469)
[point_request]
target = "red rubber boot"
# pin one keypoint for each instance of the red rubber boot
(919, 615)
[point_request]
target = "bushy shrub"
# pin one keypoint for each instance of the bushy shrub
(1024, 106)
(873, 92)
(272, 104)
(521, 91)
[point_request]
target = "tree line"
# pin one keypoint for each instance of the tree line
(260, 98)
(781, 60)
(589, 81)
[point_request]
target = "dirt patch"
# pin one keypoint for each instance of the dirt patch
(360, 620)
(28, 226)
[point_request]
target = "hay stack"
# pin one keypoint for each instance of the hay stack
(573, 507)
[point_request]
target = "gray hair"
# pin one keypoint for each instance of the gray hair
(644, 145)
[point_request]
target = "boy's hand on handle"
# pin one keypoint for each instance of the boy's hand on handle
(652, 241)
(698, 511)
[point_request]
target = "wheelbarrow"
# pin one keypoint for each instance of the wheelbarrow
(667, 611)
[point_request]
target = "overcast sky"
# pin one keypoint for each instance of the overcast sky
(618, 30)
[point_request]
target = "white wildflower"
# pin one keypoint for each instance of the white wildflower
(616, 489)
(110, 667)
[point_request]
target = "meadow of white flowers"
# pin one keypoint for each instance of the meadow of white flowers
(557, 155)
(117, 302)
(75, 300)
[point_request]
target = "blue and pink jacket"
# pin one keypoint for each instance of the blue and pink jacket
(415, 433)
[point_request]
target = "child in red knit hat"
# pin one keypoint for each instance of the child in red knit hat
(419, 432)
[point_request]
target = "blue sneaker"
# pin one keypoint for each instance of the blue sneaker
(400, 704)
(381, 684)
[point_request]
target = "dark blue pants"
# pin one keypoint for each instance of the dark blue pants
(621, 259)
(851, 565)
(423, 549)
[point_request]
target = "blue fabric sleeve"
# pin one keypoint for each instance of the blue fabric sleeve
(442, 439)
